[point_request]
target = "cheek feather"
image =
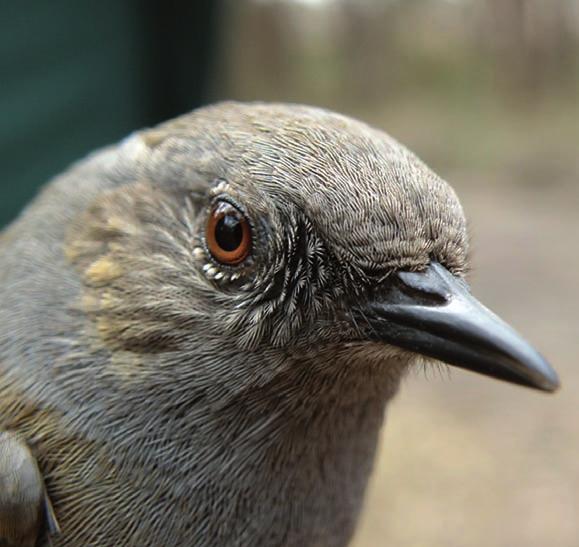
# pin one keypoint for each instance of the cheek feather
(102, 272)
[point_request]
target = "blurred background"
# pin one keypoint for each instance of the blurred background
(485, 91)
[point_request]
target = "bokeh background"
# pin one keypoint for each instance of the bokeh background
(485, 91)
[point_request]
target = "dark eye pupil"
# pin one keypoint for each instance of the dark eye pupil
(229, 233)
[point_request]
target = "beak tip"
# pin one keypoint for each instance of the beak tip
(547, 379)
(550, 384)
(541, 375)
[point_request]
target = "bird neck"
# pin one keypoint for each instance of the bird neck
(297, 452)
(289, 458)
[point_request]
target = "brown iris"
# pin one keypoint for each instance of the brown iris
(228, 234)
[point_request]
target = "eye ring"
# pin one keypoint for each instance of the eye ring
(228, 234)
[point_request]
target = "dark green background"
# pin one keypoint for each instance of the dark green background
(78, 75)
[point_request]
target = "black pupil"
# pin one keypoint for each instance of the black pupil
(229, 232)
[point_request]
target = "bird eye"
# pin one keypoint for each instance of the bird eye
(228, 234)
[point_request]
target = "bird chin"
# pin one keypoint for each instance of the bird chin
(370, 353)
(379, 351)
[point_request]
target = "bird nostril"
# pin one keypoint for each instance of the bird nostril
(396, 292)
(419, 297)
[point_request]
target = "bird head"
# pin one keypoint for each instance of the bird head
(254, 237)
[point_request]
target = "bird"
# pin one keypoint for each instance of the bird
(201, 328)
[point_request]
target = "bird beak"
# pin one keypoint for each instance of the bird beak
(433, 313)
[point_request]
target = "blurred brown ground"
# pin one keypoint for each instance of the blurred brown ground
(487, 93)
